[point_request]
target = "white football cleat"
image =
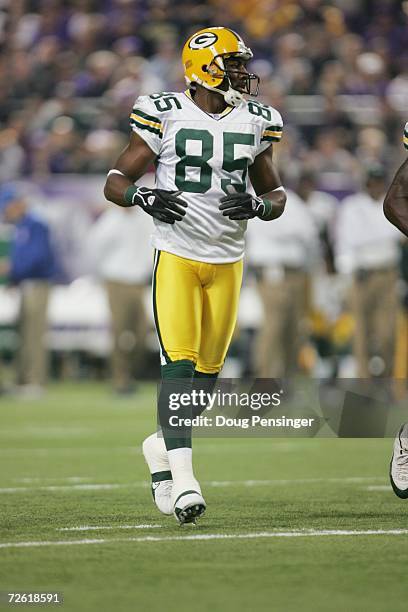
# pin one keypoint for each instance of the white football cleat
(399, 464)
(188, 505)
(155, 454)
(161, 492)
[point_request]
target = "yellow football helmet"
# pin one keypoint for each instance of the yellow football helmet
(203, 60)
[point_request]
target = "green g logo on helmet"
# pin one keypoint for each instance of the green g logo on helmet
(201, 41)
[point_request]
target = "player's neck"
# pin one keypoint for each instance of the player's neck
(209, 101)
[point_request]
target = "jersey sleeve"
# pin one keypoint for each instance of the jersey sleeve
(271, 129)
(145, 122)
(405, 137)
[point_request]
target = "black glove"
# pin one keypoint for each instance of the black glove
(159, 203)
(239, 206)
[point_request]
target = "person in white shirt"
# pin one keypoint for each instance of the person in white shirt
(323, 208)
(283, 254)
(119, 247)
(367, 249)
(322, 205)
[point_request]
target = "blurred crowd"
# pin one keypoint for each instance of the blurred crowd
(70, 71)
(323, 283)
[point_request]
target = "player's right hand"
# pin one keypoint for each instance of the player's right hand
(164, 205)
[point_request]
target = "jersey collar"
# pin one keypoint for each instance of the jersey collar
(224, 113)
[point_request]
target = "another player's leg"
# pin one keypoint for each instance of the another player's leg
(399, 464)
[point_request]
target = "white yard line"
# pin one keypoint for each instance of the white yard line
(288, 481)
(88, 450)
(378, 488)
(39, 480)
(74, 487)
(211, 483)
(214, 536)
(106, 527)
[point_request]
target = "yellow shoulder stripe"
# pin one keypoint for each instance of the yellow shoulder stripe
(273, 134)
(139, 119)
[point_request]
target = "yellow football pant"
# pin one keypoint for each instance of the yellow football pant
(195, 309)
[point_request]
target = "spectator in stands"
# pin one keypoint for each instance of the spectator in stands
(119, 247)
(32, 266)
(331, 160)
(283, 257)
(321, 204)
(367, 249)
(322, 207)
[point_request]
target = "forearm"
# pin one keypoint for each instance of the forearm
(115, 188)
(130, 166)
(275, 201)
(396, 200)
(267, 184)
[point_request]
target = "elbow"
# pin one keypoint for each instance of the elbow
(282, 199)
(114, 189)
(280, 203)
(106, 190)
(387, 209)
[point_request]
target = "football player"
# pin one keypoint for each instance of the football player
(396, 211)
(214, 172)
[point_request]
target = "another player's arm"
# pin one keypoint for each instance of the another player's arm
(269, 202)
(266, 181)
(129, 167)
(396, 200)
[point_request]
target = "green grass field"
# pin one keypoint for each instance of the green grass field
(56, 454)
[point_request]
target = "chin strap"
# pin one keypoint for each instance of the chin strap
(232, 97)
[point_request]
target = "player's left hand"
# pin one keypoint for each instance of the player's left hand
(240, 206)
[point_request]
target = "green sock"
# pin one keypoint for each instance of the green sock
(177, 378)
(206, 383)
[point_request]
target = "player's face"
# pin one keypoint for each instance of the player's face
(237, 72)
(240, 78)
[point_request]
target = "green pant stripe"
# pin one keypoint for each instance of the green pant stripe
(156, 318)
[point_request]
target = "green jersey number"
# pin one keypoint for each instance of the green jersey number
(165, 101)
(200, 161)
(230, 163)
(194, 161)
(259, 110)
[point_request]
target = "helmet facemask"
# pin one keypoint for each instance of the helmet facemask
(248, 82)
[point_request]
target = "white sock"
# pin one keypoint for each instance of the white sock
(181, 465)
(155, 453)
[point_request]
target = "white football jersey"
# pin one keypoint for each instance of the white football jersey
(200, 155)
